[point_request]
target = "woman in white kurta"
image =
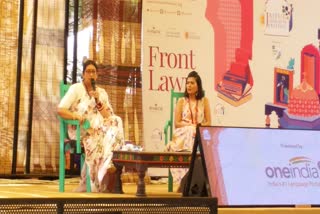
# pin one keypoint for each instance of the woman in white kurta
(84, 101)
(191, 110)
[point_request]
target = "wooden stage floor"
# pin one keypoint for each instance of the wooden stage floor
(26, 188)
(35, 188)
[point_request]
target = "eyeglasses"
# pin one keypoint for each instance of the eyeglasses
(91, 71)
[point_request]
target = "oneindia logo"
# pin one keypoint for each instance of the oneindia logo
(298, 167)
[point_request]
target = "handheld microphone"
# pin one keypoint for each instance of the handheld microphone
(93, 84)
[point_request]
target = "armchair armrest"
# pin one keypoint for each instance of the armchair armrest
(85, 125)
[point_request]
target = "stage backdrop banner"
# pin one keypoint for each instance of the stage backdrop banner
(259, 61)
(176, 37)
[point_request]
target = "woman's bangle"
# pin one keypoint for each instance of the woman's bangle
(99, 106)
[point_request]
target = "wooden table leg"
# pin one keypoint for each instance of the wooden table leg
(118, 182)
(141, 186)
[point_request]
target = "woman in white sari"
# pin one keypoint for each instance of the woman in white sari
(84, 101)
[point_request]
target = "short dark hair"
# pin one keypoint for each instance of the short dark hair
(200, 93)
(88, 62)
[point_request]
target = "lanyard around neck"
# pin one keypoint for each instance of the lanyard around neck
(196, 115)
